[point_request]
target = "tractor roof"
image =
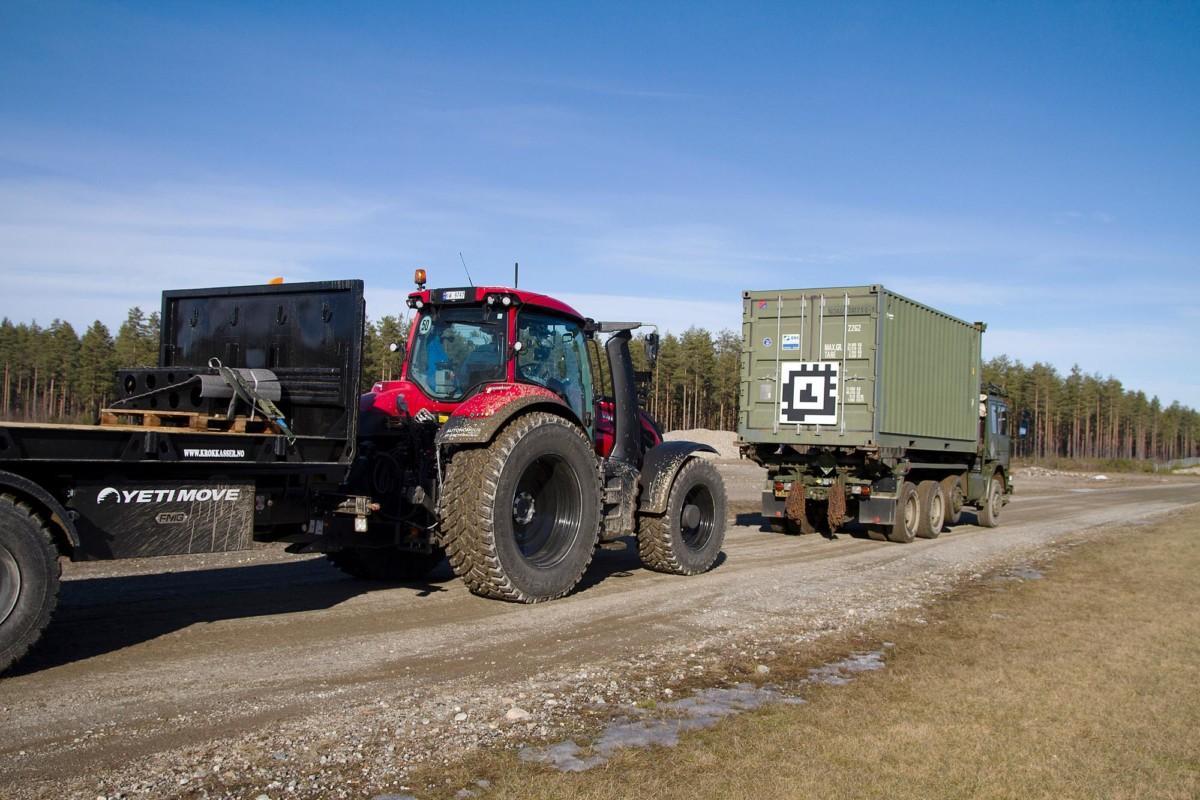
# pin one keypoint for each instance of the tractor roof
(468, 295)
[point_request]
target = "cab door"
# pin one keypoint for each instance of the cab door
(998, 439)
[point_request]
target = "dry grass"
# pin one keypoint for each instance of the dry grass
(1082, 685)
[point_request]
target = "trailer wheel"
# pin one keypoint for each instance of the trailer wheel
(908, 514)
(385, 563)
(521, 517)
(29, 573)
(953, 492)
(932, 500)
(687, 539)
(993, 500)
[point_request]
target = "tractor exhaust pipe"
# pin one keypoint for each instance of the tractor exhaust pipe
(627, 439)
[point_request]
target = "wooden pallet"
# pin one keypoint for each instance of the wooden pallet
(185, 420)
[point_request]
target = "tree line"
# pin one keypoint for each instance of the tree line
(52, 373)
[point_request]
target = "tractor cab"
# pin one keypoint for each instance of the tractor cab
(492, 340)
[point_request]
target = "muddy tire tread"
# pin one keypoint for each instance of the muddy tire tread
(987, 518)
(468, 496)
(925, 492)
(21, 641)
(656, 540)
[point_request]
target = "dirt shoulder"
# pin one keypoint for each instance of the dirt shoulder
(1073, 676)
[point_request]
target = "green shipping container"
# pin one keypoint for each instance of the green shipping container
(857, 366)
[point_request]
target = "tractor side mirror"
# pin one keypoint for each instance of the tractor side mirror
(651, 344)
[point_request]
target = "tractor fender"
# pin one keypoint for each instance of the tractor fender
(480, 417)
(659, 467)
(65, 535)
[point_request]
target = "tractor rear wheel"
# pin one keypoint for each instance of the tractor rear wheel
(687, 539)
(908, 514)
(385, 563)
(29, 573)
(933, 509)
(521, 517)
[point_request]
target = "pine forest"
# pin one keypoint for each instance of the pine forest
(54, 373)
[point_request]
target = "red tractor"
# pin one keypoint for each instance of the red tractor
(496, 448)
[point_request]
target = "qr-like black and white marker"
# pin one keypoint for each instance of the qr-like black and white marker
(809, 392)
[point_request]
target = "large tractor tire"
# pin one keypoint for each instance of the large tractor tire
(687, 539)
(952, 489)
(932, 501)
(521, 517)
(993, 501)
(908, 514)
(385, 563)
(29, 573)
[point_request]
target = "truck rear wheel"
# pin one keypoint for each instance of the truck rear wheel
(29, 573)
(953, 492)
(933, 509)
(908, 514)
(385, 563)
(521, 517)
(993, 500)
(687, 539)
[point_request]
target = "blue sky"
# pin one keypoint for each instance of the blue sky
(1034, 166)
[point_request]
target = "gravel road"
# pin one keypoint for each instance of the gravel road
(257, 673)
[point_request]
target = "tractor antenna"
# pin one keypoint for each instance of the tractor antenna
(516, 275)
(464, 263)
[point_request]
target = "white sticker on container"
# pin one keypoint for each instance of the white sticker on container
(790, 341)
(767, 341)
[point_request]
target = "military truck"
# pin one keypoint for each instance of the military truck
(867, 406)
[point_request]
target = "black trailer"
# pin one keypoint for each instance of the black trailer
(193, 457)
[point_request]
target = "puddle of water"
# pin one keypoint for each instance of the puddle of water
(1021, 572)
(702, 710)
(835, 674)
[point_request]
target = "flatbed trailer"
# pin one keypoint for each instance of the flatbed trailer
(159, 487)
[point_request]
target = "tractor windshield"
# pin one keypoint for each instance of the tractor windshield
(457, 349)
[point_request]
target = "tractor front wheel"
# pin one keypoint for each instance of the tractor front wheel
(521, 517)
(687, 539)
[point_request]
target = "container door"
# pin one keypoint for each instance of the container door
(809, 366)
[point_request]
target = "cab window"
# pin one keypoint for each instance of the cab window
(553, 354)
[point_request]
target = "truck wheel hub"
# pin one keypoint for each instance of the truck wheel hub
(691, 516)
(524, 508)
(10, 583)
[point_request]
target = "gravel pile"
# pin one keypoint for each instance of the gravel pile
(725, 442)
